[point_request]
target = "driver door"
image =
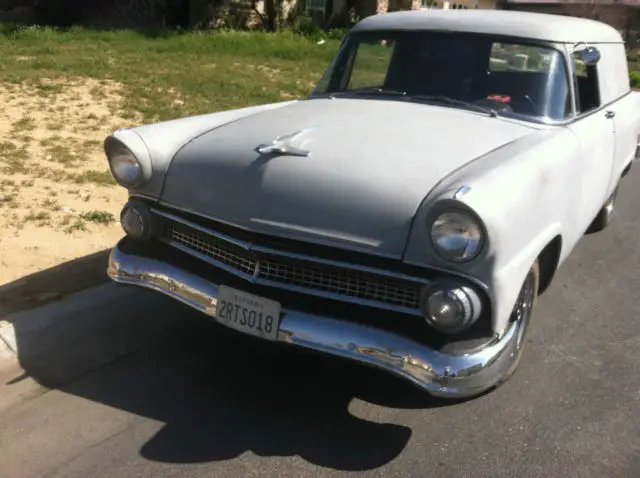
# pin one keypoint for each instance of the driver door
(596, 134)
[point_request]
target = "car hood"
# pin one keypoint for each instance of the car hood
(370, 165)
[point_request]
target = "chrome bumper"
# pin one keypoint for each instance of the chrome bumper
(439, 374)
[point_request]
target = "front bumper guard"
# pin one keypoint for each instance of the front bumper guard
(448, 376)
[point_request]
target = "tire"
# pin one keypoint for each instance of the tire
(523, 311)
(603, 218)
(529, 294)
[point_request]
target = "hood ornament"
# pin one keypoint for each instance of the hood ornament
(280, 145)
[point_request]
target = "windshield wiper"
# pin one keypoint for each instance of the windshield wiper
(452, 101)
(372, 90)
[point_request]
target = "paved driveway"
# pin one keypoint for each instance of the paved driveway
(201, 401)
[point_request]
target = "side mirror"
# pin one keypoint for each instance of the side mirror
(589, 55)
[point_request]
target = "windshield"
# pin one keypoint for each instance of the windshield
(457, 70)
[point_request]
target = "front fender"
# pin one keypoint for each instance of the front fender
(524, 196)
(158, 143)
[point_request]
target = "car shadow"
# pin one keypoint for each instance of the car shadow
(218, 393)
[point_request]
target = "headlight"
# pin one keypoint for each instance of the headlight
(450, 308)
(124, 164)
(457, 236)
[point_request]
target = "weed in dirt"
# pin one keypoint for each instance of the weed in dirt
(37, 216)
(46, 90)
(55, 126)
(51, 204)
(100, 217)
(51, 141)
(24, 124)
(6, 148)
(61, 154)
(98, 93)
(77, 225)
(7, 198)
(92, 143)
(24, 139)
(15, 159)
(93, 176)
(27, 183)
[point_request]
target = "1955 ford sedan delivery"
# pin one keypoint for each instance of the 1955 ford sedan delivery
(409, 211)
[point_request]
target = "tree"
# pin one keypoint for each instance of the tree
(613, 12)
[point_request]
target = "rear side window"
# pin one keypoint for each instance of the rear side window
(587, 91)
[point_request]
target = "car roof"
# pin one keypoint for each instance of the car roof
(534, 26)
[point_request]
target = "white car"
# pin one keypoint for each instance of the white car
(409, 211)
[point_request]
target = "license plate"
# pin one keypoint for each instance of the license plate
(248, 313)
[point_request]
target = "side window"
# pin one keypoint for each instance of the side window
(371, 64)
(531, 79)
(587, 91)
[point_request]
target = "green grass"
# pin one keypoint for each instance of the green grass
(204, 71)
(100, 217)
(77, 225)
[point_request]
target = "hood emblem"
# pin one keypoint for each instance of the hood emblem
(280, 145)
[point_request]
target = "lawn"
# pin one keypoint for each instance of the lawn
(63, 92)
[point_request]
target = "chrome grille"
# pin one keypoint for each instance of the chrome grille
(301, 275)
(341, 282)
(224, 253)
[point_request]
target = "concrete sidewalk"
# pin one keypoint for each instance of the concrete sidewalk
(63, 340)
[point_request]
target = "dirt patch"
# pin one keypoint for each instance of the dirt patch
(58, 201)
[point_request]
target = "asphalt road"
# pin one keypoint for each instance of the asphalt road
(201, 401)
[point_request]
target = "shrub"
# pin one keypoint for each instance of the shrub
(634, 78)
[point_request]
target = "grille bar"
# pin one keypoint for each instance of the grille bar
(290, 271)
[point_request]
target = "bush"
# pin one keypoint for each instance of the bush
(337, 33)
(634, 78)
(306, 27)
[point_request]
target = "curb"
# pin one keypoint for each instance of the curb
(53, 284)
(63, 340)
(60, 323)
(19, 328)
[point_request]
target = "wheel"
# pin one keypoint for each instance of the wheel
(603, 218)
(522, 312)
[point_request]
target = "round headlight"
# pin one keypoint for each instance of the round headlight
(125, 167)
(450, 309)
(456, 236)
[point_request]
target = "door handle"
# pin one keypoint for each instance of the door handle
(609, 114)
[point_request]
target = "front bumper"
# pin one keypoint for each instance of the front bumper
(443, 375)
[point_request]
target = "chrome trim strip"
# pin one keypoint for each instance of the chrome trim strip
(251, 247)
(448, 376)
(319, 242)
(254, 279)
(223, 237)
